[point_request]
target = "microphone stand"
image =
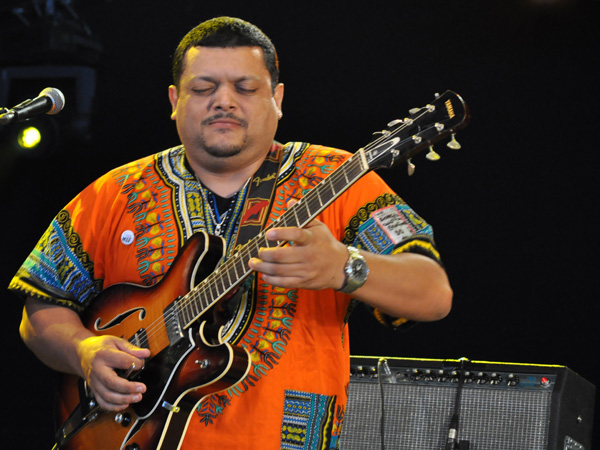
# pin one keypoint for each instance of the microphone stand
(453, 442)
(8, 115)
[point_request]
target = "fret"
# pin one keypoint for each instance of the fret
(193, 308)
(227, 275)
(241, 270)
(304, 212)
(235, 266)
(332, 188)
(183, 312)
(221, 281)
(204, 299)
(214, 293)
(295, 211)
(318, 194)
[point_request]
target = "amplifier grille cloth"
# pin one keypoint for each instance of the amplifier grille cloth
(417, 417)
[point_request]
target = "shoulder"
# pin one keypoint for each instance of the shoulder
(303, 155)
(136, 170)
(308, 150)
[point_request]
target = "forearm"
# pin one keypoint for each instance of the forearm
(53, 334)
(406, 285)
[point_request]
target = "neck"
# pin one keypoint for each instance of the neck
(224, 180)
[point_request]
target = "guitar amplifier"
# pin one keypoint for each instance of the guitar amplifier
(492, 406)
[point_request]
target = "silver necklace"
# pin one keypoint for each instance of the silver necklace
(218, 220)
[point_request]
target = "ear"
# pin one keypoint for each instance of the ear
(278, 97)
(173, 98)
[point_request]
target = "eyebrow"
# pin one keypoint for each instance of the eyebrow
(214, 80)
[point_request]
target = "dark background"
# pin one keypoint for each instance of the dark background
(513, 210)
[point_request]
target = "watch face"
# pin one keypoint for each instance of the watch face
(359, 270)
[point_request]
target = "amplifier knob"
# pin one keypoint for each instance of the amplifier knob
(512, 380)
(482, 378)
(429, 375)
(468, 377)
(416, 374)
(495, 378)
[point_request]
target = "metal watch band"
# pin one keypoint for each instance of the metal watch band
(356, 271)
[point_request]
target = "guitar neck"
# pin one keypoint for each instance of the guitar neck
(235, 270)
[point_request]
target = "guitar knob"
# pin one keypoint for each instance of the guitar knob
(432, 155)
(454, 144)
(123, 419)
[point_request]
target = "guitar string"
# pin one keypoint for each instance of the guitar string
(244, 253)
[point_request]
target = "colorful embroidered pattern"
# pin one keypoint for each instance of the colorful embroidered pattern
(58, 265)
(307, 421)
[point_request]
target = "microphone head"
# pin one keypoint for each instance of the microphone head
(56, 97)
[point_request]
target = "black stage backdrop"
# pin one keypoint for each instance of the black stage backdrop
(513, 210)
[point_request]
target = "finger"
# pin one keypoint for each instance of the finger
(133, 350)
(284, 234)
(113, 401)
(115, 393)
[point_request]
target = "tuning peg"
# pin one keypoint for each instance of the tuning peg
(411, 168)
(381, 133)
(395, 122)
(432, 155)
(454, 144)
(414, 111)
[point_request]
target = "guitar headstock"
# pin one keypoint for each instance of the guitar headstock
(423, 127)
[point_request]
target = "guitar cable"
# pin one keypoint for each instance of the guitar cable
(383, 371)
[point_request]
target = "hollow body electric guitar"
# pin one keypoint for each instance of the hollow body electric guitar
(179, 318)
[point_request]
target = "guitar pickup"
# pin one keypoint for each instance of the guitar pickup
(173, 323)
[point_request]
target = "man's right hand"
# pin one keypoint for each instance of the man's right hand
(57, 336)
(103, 360)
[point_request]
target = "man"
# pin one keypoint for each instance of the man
(291, 316)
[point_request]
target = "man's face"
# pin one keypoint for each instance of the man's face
(225, 107)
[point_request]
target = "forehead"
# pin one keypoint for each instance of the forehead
(230, 61)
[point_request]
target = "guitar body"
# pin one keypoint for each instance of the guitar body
(179, 373)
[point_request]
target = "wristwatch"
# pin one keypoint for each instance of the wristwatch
(356, 271)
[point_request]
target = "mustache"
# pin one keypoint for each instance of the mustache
(227, 116)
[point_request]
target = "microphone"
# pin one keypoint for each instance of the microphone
(50, 101)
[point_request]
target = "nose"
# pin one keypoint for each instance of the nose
(224, 99)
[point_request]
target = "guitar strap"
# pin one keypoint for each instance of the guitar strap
(260, 197)
(257, 208)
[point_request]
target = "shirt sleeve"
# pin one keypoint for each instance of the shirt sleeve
(62, 268)
(58, 270)
(385, 224)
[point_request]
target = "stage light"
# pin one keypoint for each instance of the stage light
(29, 138)
(50, 46)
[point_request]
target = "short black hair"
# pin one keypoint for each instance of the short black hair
(226, 32)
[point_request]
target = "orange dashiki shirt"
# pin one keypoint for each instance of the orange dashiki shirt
(129, 225)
